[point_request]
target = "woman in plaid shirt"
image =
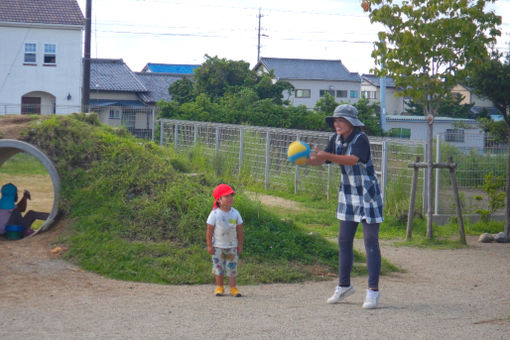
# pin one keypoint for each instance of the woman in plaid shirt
(359, 199)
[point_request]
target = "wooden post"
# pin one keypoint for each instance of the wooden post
(460, 223)
(410, 215)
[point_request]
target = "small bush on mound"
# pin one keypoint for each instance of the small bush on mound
(138, 214)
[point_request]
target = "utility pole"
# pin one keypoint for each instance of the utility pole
(85, 90)
(259, 35)
(258, 44)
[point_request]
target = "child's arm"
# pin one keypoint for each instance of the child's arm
(22, 204)
(240, 238)
(208, 238)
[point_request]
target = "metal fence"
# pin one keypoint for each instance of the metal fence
(483, 156)
(262, 152)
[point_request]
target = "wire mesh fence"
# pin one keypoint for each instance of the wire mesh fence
(262, 153)
(484, 157)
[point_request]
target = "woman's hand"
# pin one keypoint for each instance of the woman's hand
(210, 250)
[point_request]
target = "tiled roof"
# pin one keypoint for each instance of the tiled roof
(113, 75)
(309, 69)
(376, 80)
(170, 68)
(56, 12)
(157, 84)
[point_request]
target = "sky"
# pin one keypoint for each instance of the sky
(184, 31)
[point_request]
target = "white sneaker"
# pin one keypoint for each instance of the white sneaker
(341, 293)
(371, 299)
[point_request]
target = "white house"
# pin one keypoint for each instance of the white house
(463, 133)
(313, 78)
(40, 56)
(371, 90)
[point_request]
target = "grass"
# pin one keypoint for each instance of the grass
(137, 212)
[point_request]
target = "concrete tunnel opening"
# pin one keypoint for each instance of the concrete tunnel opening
(9, 148)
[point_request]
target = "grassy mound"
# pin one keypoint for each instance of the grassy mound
(138, 212)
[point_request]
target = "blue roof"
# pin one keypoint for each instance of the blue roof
(170, 68)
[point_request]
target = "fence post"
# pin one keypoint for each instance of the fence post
(176, 135)
(161, 132)
(153, 124)
(438, 159)
(425, 181)
(241, 148)
(195, 134)
(268, 137)
(384, 168)
(217, 144)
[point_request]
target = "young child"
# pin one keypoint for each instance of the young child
(224, 238)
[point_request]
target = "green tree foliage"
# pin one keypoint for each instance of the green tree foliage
(216, 77)
(449, 106)
(182, 91)
(427, 47)
(369, 114)
(326, 104)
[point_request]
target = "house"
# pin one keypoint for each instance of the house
(371, 90)
(313, 78)
(463, 133)
(122, 97)
(175, 69)
(40, 56)
(479, 103)
(116, 95)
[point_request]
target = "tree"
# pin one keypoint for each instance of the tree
(428, 46)
(492, 80)
(449, 106)
(216, 76)
(182, 91)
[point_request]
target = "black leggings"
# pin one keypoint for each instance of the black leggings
(373, 253)
(27, 220)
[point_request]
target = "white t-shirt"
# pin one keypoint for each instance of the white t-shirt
(225, 223)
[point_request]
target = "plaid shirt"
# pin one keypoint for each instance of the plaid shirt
(359, 195)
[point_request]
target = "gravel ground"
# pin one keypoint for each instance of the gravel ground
(444, 294)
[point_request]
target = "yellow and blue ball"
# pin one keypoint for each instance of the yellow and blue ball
(298, 152)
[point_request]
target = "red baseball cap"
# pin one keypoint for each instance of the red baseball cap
(221, 190)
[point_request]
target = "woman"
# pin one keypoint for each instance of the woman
(359, 199)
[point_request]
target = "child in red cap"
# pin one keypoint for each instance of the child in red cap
(224, 238)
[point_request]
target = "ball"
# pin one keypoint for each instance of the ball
(298, 152)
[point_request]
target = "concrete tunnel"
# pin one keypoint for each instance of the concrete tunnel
(10, 147)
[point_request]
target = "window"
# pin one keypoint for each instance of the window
(369, 94)
(341, 94)
(400, 133)
(323, 92)
(114, 114)
(50, 54)
(454, 135)
(353, 94)
(30, 49)
(303, 93)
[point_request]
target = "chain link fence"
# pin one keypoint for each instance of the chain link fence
(482, 157)
(262, 153)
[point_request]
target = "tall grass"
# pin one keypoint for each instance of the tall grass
(138, 211)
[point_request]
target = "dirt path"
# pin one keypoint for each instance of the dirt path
(447, 294)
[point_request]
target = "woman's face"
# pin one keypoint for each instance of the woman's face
(342, 127)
